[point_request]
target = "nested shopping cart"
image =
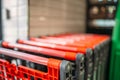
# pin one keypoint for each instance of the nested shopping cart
(76, 59)
(15, 65)
(87, 52)
(98, 43)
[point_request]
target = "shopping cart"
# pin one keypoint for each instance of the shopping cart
(14, 66)
(99, 44)
(88, 56)
(76, 59)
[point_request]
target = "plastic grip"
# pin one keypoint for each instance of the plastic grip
(70, 56)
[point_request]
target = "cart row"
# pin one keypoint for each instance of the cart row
(58, 57)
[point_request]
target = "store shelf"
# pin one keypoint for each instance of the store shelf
(100, 11)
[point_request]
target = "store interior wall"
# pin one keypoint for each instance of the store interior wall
(49, 17)
(14, 20)
(0, 21)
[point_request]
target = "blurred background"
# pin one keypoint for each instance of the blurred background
(24, 18)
